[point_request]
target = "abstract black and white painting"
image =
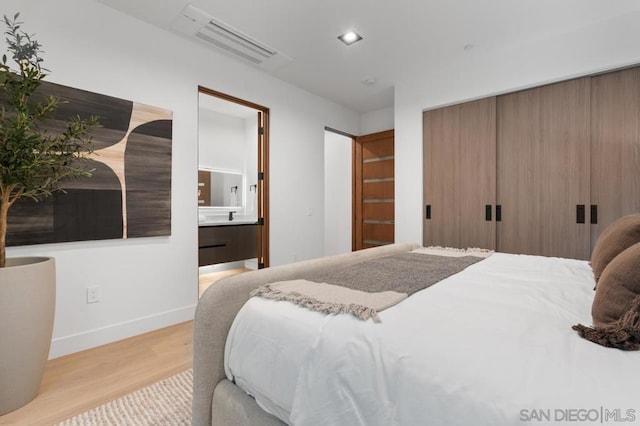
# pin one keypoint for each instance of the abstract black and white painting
(129, 192)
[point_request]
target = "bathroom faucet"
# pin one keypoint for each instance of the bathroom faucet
(231, 215)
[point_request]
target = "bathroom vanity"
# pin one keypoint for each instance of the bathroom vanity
(220, 242)
(223, 237)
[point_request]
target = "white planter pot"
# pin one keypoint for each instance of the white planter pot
(27, 305)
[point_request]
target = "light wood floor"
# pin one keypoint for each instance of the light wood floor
(78, 382)
(205, 280)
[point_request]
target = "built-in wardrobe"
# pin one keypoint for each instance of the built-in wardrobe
(540, 171)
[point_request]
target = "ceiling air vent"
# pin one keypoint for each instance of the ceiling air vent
(216, 33)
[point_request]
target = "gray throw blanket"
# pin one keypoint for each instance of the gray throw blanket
(390, 279)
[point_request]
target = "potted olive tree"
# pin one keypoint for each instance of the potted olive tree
(33, 163)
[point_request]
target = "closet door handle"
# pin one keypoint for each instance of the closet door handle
(594, 214)
(487, 212)
(580, 213)
(427, 211)
(498, 213)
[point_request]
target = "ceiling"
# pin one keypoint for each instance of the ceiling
(398, 35)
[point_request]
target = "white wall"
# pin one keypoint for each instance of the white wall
(337, 193)
(228, 143)
(148, 283)
(251, 163)
(376, 121)
(482, 72)
(221, 140)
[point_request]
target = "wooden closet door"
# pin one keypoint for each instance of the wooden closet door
(459, 166)
(615, 146)
(543, 170)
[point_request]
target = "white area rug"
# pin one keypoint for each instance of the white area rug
(167, 402)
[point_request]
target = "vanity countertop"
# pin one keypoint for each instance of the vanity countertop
(228, 222)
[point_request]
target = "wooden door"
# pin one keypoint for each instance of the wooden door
(373, 182)
(459, 166)
(615, 147)
(543, 170)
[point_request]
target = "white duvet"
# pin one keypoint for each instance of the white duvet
(491, 345)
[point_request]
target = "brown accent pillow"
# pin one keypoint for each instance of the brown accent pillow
(619, 285)
(617, 237)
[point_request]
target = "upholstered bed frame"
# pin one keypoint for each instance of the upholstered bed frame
(216, 400)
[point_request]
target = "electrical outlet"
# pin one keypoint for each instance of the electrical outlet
(93, 294)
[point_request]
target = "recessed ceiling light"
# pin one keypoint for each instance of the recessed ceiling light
(369, 81)
(350, 37)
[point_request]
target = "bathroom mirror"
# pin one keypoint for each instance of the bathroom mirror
(219, 188)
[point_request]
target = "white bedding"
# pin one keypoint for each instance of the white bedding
(491, 345)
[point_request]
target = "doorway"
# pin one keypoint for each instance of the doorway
(338, 192)
(233, 185)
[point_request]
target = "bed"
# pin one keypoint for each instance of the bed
(490, 345)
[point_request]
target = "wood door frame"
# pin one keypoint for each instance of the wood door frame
(263, 167)
(356, 199)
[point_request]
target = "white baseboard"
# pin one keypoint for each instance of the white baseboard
(66, 345)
